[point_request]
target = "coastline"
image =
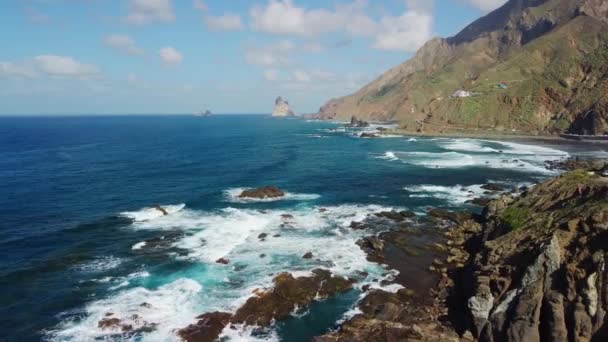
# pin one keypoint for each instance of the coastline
(497, 260)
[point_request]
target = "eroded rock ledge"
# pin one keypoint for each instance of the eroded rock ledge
(530, 268)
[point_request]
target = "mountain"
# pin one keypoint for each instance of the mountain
(532, 65)
(281, 108)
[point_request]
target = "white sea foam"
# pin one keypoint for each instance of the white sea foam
(388, 156)
(454, 194)
(100, 264)
(139, 245)
(412, 140)
(466, 145)
(232, 195)
(232, 234)
(243, 333)
(147, 214)
(170, 307)
(463, 153)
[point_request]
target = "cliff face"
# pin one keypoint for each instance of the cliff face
(531, 65)
(281, 108)
(540, 273)
(530, 268)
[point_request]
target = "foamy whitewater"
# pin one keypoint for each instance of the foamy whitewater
(89, 244)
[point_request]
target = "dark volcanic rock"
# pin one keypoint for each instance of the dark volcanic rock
(287, 294)
(397, 216)
(356, 123)
(262, 193)
(589, 123)
(161, 209)
(308, 255)
(480, 201)
(368, 135)
(593, 165)
(493, 187)
(222, 261)
(454, 217)
(207, 329)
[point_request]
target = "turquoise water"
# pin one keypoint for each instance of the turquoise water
(78, 238)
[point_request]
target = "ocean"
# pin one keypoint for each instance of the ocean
(79, 239)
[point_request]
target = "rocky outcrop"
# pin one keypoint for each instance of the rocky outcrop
(264, 192)
(356, 123)
(541, 264)
(589, 123)
(531, 268)
(288, 294)
(282, 108)
(207, 329)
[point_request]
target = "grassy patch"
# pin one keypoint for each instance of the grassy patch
(515, 217)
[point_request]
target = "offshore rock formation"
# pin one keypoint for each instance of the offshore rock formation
(532, 65)
(531, 268)
(281, 108)
(262, 193)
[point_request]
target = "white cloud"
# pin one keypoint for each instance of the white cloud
(170, 55)
(407, 32)
(271, 75)
(273, 55)
(298, 76)
(18, 70)
(64, 66)
(148, 11)
(226, 22)
(124, 44)
(49, 65)
(282, 17)
(486, 5)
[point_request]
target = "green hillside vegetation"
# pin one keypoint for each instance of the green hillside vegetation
(519, 79)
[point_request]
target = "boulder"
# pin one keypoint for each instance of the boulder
(262, 193)
(308, 255)
(222, 261)
(207, 329)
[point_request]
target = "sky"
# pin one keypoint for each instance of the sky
(229, 56)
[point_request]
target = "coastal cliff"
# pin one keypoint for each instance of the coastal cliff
(282, 108)
(530, 268)
(535, 66)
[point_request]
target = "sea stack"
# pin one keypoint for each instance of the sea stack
(281, 108)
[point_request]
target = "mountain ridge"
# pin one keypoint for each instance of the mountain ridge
(531, 66)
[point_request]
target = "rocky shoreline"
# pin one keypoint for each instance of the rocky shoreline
(530, 266)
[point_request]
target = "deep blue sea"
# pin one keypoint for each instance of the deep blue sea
(79, 239)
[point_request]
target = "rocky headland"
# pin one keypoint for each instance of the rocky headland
(531, 67)
(530, 267)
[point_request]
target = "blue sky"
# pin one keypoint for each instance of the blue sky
(182, 56)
